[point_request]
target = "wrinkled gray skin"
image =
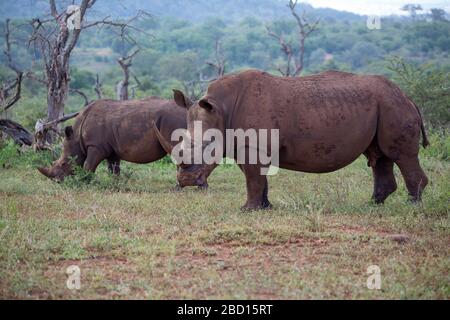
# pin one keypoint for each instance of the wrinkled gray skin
(325, 122)
(118, 130)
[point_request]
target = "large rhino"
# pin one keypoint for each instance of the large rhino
(325, 123)
(115, 131)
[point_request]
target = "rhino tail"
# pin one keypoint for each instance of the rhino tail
(425, 141)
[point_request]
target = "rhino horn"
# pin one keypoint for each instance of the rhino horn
(164, 143)
(46, 172)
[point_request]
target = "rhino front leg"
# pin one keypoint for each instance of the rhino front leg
(257, 188)
(93, 159)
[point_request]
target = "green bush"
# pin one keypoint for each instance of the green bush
(439, 147)
(13, 156)
(428, 86)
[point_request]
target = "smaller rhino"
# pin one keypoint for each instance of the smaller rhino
(115, 131)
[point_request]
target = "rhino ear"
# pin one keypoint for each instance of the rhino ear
(206, 104)
(181, 99)
(68, 131)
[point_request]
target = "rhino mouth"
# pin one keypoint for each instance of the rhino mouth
(58, 173)
(192, 175)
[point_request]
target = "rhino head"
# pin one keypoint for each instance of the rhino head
(72, 154)
(194, 174)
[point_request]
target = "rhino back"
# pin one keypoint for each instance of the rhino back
(313, 115)
(124, 128)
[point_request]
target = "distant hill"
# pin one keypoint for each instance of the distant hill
(192, 10)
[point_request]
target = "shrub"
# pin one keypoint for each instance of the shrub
(439, 147)
(13, 156)
(428, 86)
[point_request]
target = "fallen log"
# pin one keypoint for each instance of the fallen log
(17, 132)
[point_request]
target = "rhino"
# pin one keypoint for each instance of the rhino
(116, 131)
(325, 122)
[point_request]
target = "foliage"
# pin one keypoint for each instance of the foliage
(428, 86)
(11, 156)
(439, 147)
(176, 53)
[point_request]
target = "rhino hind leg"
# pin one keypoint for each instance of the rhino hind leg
(114, 165)
(401, 143)
(414, 176)
(384, 179)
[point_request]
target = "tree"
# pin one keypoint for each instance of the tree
(126, 60)
(55, 38)
(98, 87)
(412, 9)
(122, 87)
(305, 28)
(7, 99)
(219, 64)
(428, 86)
(437, 14)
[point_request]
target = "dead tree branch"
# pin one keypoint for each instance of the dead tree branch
(125, 63)
(42, 128)
(98, 87)
(220, 61)
(305, 29)
(18, 133)
(82, 94)
(8, 100)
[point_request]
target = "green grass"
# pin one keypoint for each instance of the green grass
(134, 237)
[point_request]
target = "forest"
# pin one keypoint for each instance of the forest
(176, 52)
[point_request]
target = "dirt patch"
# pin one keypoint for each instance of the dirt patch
(112, 277)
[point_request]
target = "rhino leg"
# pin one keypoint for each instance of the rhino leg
(415, 178)
(114, 165)
(384, 179)
(257, 188)
(93, 159)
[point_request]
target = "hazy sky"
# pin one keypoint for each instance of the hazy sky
(377, 7)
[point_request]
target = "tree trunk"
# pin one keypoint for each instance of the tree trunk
(122, 90)
(58, 90)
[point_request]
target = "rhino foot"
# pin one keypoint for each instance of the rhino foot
(266, 205)
(177, 188)
(203, 187)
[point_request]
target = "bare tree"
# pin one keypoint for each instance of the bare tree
(7, 99)
(125, 63)
(220, 61)
(295, 62)
(55, 38)
(197, 86)
(126, 60)
(98, 87)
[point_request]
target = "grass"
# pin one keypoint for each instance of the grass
(134, 237)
